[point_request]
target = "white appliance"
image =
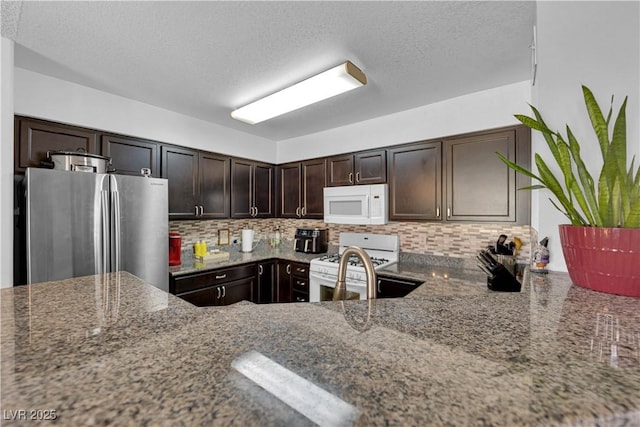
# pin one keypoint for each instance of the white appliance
(356, 204)
(383, 249)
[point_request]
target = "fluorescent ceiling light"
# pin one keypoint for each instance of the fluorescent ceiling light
(332, 82)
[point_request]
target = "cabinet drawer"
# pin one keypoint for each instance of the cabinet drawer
(300, 296)
(300, 284)
(300, 270)
(212, 278)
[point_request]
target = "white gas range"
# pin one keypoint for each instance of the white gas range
(323, 272)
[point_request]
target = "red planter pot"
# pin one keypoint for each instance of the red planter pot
(603, 259)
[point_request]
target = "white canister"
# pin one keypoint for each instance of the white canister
(247, 240)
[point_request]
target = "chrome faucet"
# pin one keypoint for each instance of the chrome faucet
(340, 291)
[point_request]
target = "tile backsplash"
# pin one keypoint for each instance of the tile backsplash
(444, 239)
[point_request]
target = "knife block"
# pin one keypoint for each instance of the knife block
(503, 280)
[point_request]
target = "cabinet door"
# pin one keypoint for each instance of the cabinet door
(289, 205)
(34, 138)
(263, 190)
(214, 185)
(129, 156)
(265, 287)
(241, 188)
(415, 181)
(202, 298)
(340, 170)
(239, 290)
(371, 167)
(180, 167)
(284, 281)
(479, 186)
(313, 177)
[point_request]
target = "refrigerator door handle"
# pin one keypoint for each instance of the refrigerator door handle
(104, 266)
(117, 229)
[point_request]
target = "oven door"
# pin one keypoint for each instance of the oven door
(321, 288)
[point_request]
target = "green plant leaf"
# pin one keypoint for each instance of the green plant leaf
(586, 180)
(633, 218)
(554, 186)
(533, 187)
(597, 120)
(573, 222)
(517, 167)
(619, 147)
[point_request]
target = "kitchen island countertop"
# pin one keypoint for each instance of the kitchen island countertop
(111, 349)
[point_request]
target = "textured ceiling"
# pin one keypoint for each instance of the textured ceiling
(206, 58)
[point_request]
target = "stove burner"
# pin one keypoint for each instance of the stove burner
(354, 260)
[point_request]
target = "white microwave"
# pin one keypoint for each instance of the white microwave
(356, 204)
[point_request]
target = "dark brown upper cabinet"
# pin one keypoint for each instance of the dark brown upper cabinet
(215, 185)
(252, 189)
(415, 185)
(129, 156)
(367, 167)
(300, 189)
(34, 138)
(479, 187)
(198, 183)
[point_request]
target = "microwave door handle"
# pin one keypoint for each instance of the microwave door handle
(368, 212)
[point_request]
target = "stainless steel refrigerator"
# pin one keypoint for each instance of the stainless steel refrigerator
(81, 223)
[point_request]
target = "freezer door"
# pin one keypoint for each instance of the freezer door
(65, 224)
(140, 240)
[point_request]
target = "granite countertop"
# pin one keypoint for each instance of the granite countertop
(112, 349)
(262, 252)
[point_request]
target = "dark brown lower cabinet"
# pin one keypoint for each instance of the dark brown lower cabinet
(299, 282)
(216, 287)
(391, 287)
(266, 283)
(284, 281)
(293, 281)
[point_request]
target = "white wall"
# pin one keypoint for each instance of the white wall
(6, 162)
(591, 43)
(46, 97)
(477, 111)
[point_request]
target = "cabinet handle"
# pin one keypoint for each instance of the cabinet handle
(224, 291)
(255, 211)
(379, 283)
(351, 177)
(221, 276)
(448, 212)
(298, 211)
(300, 299)
(288, 268)
(201, 210)
(438, 212)
(300, 270)
(304, 211)
(357, 176)
(260, 270)
(218, 292)
(196, 210)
